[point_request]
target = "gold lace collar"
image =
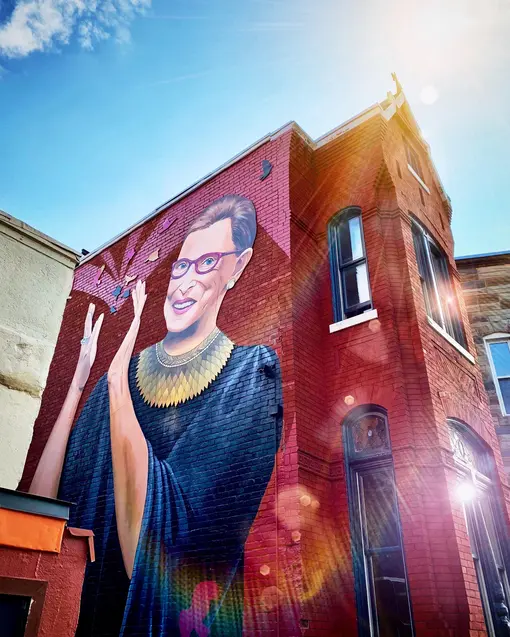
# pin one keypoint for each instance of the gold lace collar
(165, 380)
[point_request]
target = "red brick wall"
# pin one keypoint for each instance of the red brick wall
(396, 361)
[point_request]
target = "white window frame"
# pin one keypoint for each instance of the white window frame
(498, 337)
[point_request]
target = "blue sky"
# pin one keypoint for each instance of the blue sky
(110, 107)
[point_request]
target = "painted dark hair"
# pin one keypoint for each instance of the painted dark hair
(239, 210)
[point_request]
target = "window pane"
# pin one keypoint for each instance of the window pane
(501, 358)
(351, 245)
(390, 589)
(427, 282)
(443, 286)
(504, 386)
(380, 513)
(345, 243)
(355, 234)
(356, 285)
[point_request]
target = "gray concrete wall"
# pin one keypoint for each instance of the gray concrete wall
(36, 274)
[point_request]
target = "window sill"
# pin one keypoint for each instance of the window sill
(354, 320)
(418, 179)
(451, 340)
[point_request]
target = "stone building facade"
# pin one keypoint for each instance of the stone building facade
(389, 472)
(486, 287)
(37, 274)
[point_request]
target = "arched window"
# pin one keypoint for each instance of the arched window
(498, 352)
(348, 263)
(476, 491)
(382, 594)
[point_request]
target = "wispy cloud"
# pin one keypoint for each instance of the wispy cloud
(39, 25)
(178, 78)
(272, 26)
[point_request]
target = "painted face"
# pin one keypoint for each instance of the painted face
(197, 297)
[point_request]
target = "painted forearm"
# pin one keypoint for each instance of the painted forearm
(130, 469)
(46, 479)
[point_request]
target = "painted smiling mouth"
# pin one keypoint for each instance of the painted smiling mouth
(183, 305)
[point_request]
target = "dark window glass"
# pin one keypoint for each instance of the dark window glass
(349, 273)
(426, 278)
(13, 615)
(438, 293)
(378, 494)
(390, 590)
(382, 593)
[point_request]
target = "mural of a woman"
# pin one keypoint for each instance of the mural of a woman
(173, 451)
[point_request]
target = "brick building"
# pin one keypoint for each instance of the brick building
(486, 287)
(389, 476)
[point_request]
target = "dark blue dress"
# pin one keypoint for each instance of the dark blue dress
(210, 460)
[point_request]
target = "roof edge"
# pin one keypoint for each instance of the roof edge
(387, 109)
(23, 232)
(487, 255)
(197, 184)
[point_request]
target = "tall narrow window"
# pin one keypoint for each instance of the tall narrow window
(479, 499)
(382, 593)
(440, 301)
(413, 160)
(498, 348)
(349, 273)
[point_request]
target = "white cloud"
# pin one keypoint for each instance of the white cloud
(37, 25)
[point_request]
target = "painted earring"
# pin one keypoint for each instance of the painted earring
(230, 284)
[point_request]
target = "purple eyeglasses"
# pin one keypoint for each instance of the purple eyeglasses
(203, 264)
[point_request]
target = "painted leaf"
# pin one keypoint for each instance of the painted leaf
(166, 224)
(153, 256)
(97, 280)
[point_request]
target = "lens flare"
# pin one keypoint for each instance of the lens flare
(305, 500)
(269, 598)
(265, 570)
(429, 95)
(465, 491)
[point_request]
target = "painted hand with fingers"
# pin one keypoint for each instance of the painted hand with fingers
(118, 371)
(88, 348)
